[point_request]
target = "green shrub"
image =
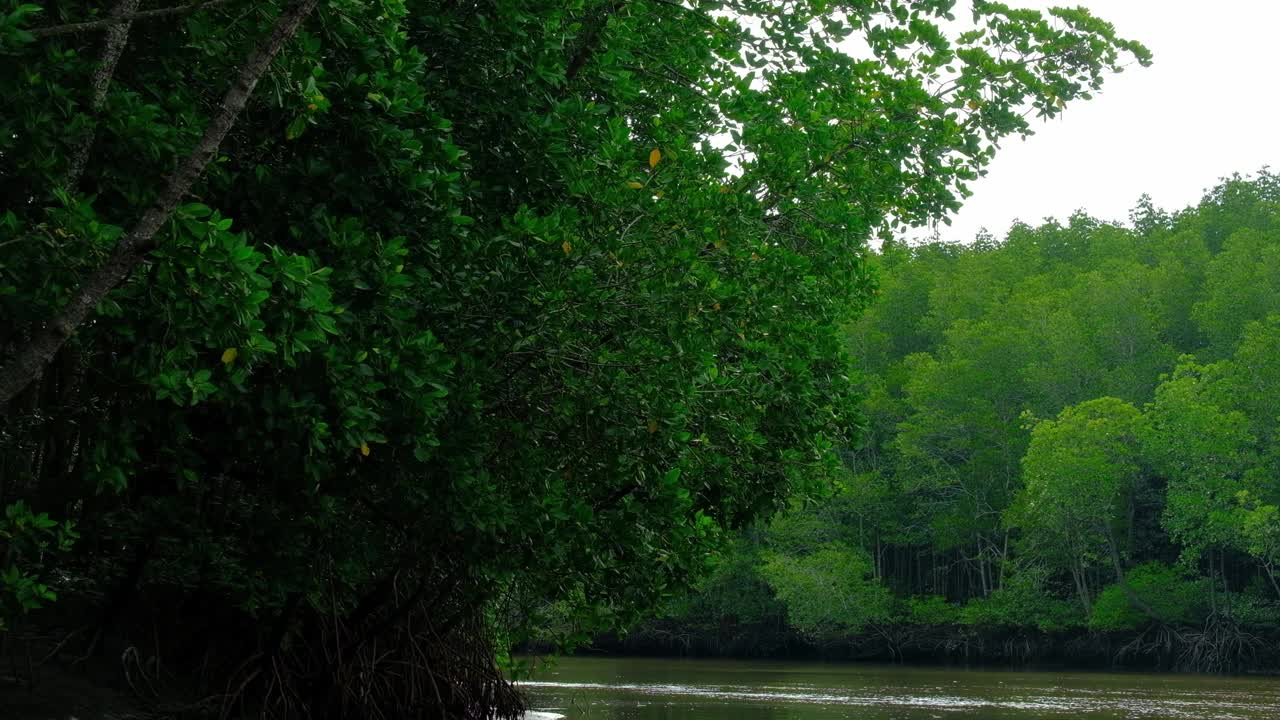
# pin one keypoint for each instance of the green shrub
(829, 591)
(1022, 602)
(28, 543)
(1175, 599)
(930, 610)
(1252, 609)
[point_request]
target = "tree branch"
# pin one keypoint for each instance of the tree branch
(27, 363)
(114, 19)
(112, 47)
(590, 37)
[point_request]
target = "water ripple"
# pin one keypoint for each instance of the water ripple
(1053, 700)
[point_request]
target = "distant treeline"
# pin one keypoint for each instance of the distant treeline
(1071, 450)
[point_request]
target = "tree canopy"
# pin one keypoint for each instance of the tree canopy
(1070, 433)
(332, 314)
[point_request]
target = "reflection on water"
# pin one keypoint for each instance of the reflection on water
(646, 689)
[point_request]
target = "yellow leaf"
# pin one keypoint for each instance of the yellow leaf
(566, 247)
(973, 105)
(634, 185)
(716, 306)
(655, 157)
(755, 256)
(653, 426)
(364, 449)
(312, 107)
(229, 356)
(721, 244)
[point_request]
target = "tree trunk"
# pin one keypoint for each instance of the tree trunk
(1082, 587)
(112, 47)
(1213, 586)
(1271, 575)
(1134, 599)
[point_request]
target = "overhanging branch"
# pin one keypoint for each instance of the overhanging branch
(103, 24)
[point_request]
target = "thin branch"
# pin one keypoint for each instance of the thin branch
(590, 37)
(112, 48)
(114, 19)
(27, 363)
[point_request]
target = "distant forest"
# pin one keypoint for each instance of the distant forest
(1070, 450)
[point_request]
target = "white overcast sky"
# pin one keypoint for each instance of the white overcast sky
(1208, 106)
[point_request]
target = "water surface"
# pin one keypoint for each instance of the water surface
(649, 689)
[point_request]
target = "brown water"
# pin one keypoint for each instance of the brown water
(647, 689)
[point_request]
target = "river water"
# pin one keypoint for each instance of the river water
(648, 689)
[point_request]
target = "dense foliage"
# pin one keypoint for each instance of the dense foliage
(478, 309)
(1070, 430)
